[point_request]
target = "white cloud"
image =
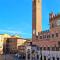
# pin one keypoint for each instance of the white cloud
(15, 32)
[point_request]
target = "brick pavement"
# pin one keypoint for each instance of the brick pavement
(6, 57)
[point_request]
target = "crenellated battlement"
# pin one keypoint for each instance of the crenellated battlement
(53, 16)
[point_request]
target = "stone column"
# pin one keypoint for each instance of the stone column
(42, 55)
(51, 58)
(51, 54)
(55, 56)
(46, 57)
(39, 55)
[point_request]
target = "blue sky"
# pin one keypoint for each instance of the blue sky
(16, 15)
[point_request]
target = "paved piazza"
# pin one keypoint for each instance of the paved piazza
(9, 57)
(6, 57)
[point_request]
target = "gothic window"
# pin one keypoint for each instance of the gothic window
(44, 48)
(36, 36)
(44, 36)
(48, 36)
(40, 37)
(40, 48)
(56, 34)
(52, 35)
(53, 48)
(48, 48)
(57, 48)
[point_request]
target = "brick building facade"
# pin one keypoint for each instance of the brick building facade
(49, 39)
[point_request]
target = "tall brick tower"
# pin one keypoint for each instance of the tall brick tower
(36, 18)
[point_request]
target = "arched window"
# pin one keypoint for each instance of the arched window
(40, 37)
(52, 35)
(56, 34)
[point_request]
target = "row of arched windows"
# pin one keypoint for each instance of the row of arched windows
(49, 36)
